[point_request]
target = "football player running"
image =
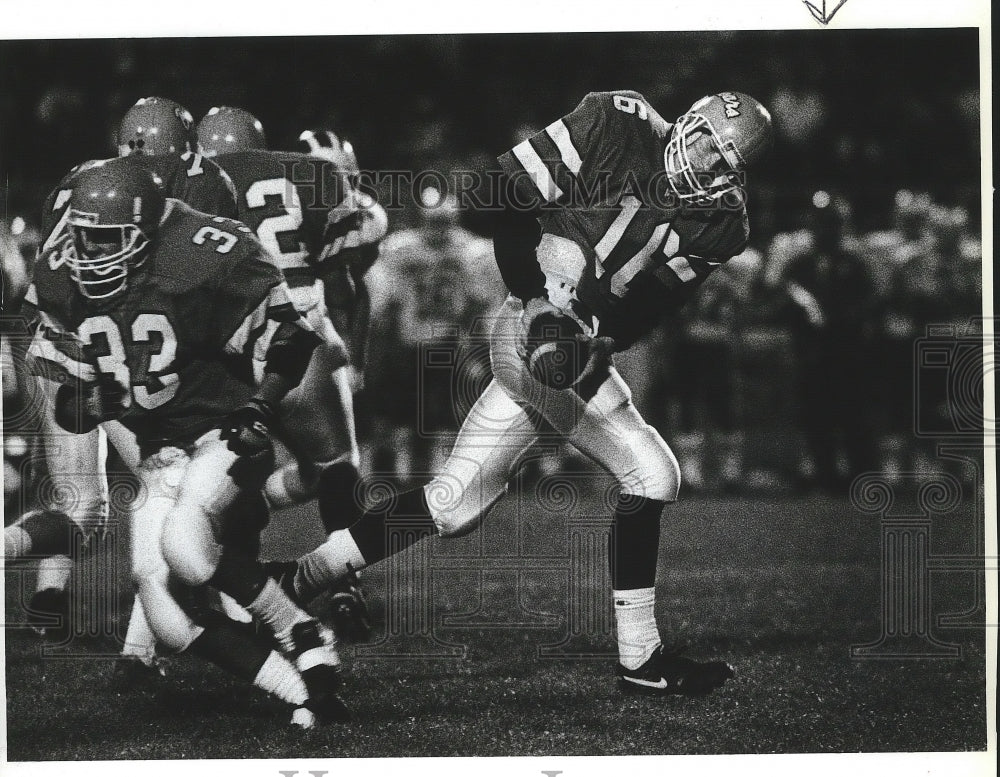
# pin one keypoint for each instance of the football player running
(153, 314)
(305, 210)
(156, 134)
(611, 217)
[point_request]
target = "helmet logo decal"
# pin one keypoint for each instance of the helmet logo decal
(732, 104)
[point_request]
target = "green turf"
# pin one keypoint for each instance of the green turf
(780, 588)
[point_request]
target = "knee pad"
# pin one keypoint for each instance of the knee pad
(458, 508)
(50, 533)
(654, 473)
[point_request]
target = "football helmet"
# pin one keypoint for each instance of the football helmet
(719, 137)
(155, 126)
(114, 213)
(325, 144)
(224, 130)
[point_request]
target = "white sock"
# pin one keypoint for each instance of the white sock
(139, 638)
(275, 609)
(233, 610)
(328, 563)
(638, 636)
(54, 572)
(279, 677)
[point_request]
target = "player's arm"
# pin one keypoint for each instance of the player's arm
(86, 395)
(259, 321)
(548, 170)
(659, 292)
(262, 322)
(351, 232)
(652, 296)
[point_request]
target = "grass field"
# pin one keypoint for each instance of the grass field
(782, 588)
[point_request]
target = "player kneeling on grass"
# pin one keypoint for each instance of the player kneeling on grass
(611, 218)
(151, 313)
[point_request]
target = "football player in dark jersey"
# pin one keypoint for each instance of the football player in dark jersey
(305, 210)
(156, 134)
(611, 218)
(154, 315)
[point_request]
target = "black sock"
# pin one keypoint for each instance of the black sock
(407, 513)
(240, 576)
(52, 533)
(634, 542)
(337, 496)
(232, 646)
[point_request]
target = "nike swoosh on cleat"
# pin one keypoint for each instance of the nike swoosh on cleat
(661, 683)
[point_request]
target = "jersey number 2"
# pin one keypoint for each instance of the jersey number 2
(290, 221)
(104, 335)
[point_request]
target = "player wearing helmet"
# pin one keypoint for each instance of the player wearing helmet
(303, 208)
(612, 217)
(153, 315)
(156, 134)
(225, 130)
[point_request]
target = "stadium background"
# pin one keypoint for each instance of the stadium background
(879, 128)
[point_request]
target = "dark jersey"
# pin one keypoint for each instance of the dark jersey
(181, 336)
(188, 177)
(300, 207)
(598, 176)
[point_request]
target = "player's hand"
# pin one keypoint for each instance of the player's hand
(533, 308)
(600, 351)
(80, 407)
(246, 429)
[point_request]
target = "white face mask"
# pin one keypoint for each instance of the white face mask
(700, 171)
(99, 255)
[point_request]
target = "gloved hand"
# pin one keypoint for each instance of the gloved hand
(533, 308)
(81, 406)
(246, 429)
(600, 350)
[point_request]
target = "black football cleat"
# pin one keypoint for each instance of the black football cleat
(312, 649)
(351, 619)
(48, 614)
(668, 672)
(139, 673)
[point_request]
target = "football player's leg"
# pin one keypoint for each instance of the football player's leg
(76, 491)
(191, 544)
(160, 476)
(614, 434)
(495, 433)
(140, 642)
(216, 638)
(318, 416)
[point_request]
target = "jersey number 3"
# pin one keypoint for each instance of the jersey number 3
(102, 334)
